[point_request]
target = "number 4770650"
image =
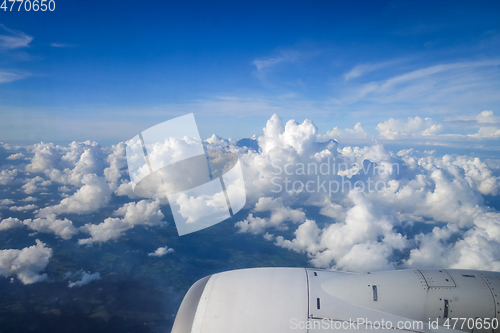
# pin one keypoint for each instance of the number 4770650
(28, 5)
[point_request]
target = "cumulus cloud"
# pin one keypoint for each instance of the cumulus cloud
(161, 251)
(414, 127)
(68, 165)
(85, 169)
(117, 164)
(61, 228)
(26, 264)
(86, 279)
(6, 202)
(23, 208)
(45, 157)
(144, 212)
(50, 224)
(92, 172)
(197, 206)
(10, 223)
(374, 198)
(126, 189)
(444, 132)
(363, 241)
(7, 176)
(93, 195)
(487, 117)
(18, 156)
(358, 132)
(279, 215)
(361, 207)
(477, 247)
(489, 126)
(35, 185)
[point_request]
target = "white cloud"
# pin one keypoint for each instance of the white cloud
(307, 238)
(144, 212)
(363, 241)
(63, 189)
(360, 70)
(49, 224)
(489, 126)
(279, 215)
(10, 223)
(17, 156)
(93, 195)
(429, 71)
(414, 127)
(94, 172)
(337, 227)
(370, 226)
(7, 176)
(429, 75)
(445, 132)
(13, 39)
(117, 164)
(442, 88)
(23, 208)
(6, 202)
(6, 77)
(487, 117)
(68, 165)
(61, 45)
(477, 248)
(35, 185)
(26, 264)
(126, 189)
(287, 56)
(46, 156)
(195, 207)
(161, 251)
(86, 279)
(358, 132)
(489, 132)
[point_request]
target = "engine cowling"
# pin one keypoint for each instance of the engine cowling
(279, 300)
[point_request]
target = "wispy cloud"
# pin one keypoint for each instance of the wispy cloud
(456, 85)
(61, 45)
(277, 62)
(288, 56)
(362, 69)
(429, 71)
(11, 76)
(13, 39)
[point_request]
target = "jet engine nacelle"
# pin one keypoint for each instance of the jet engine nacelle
(279, 300)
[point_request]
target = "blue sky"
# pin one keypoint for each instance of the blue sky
(105, 71)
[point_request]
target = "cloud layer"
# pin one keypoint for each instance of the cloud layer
(356, 208)
(374, 199)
